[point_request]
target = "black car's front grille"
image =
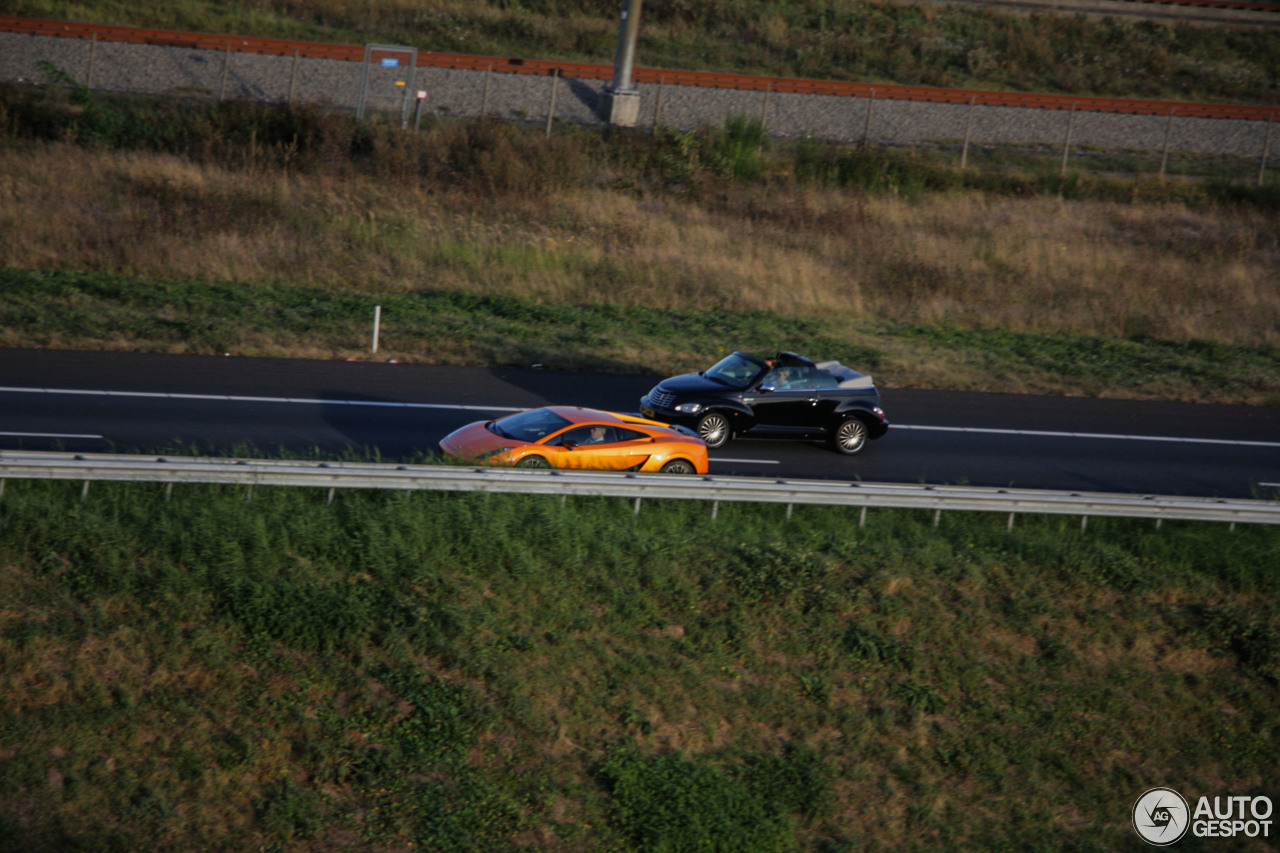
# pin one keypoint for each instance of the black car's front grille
(660, 399)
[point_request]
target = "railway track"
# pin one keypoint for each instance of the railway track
(706, 79)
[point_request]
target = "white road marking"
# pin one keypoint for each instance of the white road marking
(746, 461)
(1273, 485)
(46, 435)
(242, 399)
(1090, 435)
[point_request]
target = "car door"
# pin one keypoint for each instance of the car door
(784, 398)
(601, 447)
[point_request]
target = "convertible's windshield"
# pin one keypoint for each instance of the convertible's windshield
(736, 370)
(529, 426)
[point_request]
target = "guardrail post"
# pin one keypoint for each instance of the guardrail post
(715, 508)
(862, 517)
(764, 110)
(636, 511)
(1009, 525)
(551, 107)
(329, 501)
(2, 482)
(84, 493)
(1159, 521)
(484, 102)
(937, 516)
(789, 511)
(377, 324)
(248, 493)
(1084, 521)
(168, 491)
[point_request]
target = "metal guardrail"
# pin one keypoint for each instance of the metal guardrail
(89, 467)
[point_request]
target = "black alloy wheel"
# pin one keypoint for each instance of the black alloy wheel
(533, 462)
(678, 466)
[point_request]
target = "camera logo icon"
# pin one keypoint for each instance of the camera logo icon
(1161, 816)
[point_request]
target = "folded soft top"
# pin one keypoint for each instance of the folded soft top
(846, 376)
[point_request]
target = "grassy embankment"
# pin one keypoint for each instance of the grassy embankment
(274, 230)
(472, 673)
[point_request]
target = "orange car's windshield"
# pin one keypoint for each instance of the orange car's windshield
(529, 426)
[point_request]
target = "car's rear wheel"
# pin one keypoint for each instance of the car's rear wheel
(713, 429)
(850, 436)
(678, 466)
(533, 462)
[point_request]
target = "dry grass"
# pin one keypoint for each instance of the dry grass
(972, 260)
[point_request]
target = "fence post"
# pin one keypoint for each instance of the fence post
(551, 108)
(1262, 168)
(226, 65)
(764, 110)
(1066, 146)
(1164, 158)
(484, 103)
(93, 55)
(377, 324)
(657, 106)
(293, 75)
(866, 129)
(968, 121)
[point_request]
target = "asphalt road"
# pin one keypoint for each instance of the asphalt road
(131, 402)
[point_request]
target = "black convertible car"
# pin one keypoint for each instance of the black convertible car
(788, 396)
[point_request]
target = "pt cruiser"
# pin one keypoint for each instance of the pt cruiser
(785, 396)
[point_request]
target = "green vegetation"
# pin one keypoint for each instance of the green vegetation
(926, 44)
(274, 230)
(482, 672)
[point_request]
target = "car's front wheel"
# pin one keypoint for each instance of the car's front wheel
(713, 429)
(533, 462)
(678, 466)
(850, 436)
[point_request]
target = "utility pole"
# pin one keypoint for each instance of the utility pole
(622, 98)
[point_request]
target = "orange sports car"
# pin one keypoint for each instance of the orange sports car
(573, 437)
